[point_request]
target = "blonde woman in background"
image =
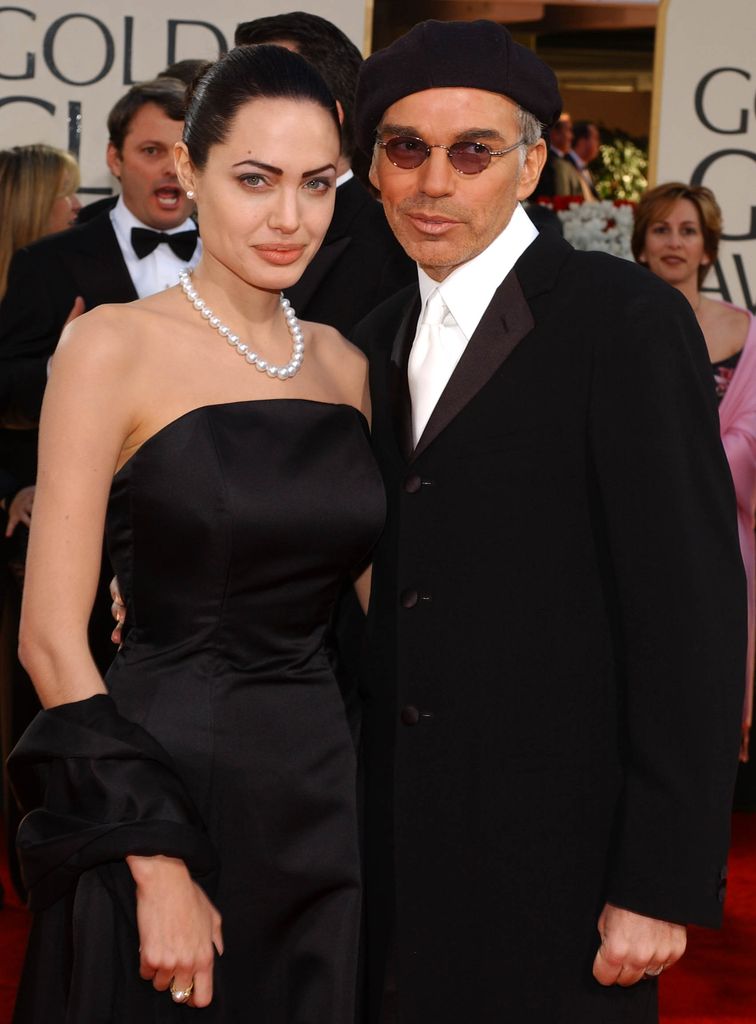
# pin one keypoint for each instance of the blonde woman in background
(676, 235)
(38, 186)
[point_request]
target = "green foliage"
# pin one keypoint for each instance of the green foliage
(621, 168)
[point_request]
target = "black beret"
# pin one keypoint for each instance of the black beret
(441, 54)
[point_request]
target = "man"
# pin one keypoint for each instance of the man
(557, 627)
(359, 263)
(586, 144)
(115, 257)
(559, 176)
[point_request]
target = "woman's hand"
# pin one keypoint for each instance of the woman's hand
(179, 928)
(20, 509)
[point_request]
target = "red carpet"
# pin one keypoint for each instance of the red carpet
(715, 983)
(14, 926)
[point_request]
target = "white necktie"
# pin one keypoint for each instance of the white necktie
(436, 350)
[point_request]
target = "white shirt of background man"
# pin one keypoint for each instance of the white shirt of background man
(160, 269)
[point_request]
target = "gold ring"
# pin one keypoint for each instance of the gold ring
(181, 995)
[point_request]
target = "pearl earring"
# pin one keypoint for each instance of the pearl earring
(190, 194)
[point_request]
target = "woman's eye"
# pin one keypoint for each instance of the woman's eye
(253, 180)
(318, 185)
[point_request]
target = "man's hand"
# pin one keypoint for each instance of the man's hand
(20, 509)
(633, 946)
(117, 610)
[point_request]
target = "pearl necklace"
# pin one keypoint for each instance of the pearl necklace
(295, 331)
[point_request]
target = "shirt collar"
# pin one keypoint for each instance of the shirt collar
(124, 220)
(468, 290)
(580, 164)
(345, 177)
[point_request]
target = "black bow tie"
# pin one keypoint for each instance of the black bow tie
(145, 241)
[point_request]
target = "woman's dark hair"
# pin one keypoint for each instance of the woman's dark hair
(325, 46)
(248, 73)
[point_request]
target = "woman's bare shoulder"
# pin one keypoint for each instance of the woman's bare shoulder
(329, 344)
(728, 318)
(109, 341)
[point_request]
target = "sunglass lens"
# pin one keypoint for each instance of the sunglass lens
(469, 157)
(406, 153)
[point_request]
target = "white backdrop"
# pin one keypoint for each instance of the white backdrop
(704, 127)
(63, 64)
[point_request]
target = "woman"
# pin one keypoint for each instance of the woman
(676, 235)
(212, 774)
(38, 186)
(37, 197)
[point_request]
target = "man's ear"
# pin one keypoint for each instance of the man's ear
(113, 160)
(184, 168)
(535, 158)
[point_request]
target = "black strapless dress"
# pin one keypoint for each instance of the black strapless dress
(232, 530)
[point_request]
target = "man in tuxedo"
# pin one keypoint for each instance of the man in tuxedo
(559, 176)
(128, 252)
(586, 143)
(359, 263)
(553, 683)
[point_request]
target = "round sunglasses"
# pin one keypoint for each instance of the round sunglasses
(466, 157)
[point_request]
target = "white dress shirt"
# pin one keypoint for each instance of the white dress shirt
(466, 294)
(158, 270)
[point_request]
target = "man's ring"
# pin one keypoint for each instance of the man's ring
(181, 995)
(654, 972)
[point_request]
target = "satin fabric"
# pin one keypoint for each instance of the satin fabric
(232, 530)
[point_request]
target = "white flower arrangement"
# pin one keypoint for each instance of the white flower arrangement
(603, 226)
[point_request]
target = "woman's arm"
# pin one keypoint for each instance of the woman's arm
(87, 415)
(90, 409)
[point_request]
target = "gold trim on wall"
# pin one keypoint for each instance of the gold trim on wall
(367, 42)
(660, 47)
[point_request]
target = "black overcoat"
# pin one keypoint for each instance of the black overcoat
(556, 644)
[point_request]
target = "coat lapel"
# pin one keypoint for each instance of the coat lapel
(350, 198)
(398, 387)
(99, 263)
(300, 294)
(505, 323)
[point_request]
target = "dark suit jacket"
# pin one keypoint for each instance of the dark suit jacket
(43, 282)
(554, 677)
(359, 264)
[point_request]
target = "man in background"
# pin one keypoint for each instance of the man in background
(133, 250)
(586, 144)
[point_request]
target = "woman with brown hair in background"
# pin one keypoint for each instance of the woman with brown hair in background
(676, 235)
(38, 186)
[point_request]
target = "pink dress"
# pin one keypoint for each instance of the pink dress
(737, 418)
